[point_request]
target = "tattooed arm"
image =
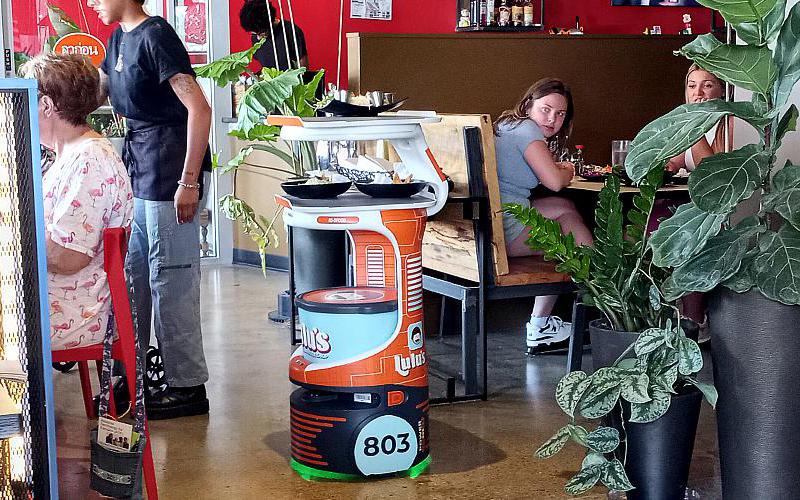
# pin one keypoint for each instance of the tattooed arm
(192, 97)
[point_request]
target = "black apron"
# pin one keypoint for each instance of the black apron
(154, 155)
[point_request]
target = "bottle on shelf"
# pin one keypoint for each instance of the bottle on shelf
(474, 13)
(517, 13)
(504, 13)
(482, 6)
(577, 159)
(527, 13)
(491, 12)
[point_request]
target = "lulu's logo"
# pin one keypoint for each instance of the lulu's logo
(404, 364)
(315, 342)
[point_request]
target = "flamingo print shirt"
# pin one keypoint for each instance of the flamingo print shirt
(86, 190)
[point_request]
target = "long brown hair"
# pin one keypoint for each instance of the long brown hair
(520, 111)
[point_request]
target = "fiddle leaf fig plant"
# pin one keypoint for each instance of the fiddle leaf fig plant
(273, 91)
(616, 276)
(701, 243)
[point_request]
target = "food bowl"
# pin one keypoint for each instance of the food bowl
(391, 190)
(592, 176)
(300, 189)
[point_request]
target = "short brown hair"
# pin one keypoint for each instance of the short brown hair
(69, 80)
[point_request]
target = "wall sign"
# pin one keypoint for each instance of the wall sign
(83, 44)
(371, 9)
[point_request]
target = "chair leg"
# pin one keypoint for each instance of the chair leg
(86, 389)
(148, 468)
(575, 354)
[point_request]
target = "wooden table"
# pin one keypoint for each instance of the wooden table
(595, 186)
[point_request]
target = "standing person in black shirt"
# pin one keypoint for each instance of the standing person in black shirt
(256, 16)
(151, 82)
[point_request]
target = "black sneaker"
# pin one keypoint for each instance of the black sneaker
(176, 402)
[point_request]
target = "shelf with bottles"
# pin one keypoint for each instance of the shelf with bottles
(512, 16)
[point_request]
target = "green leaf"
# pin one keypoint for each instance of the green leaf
(761, 33)
(721, 181)
(583, 481)
(578, 434)
(592, 459)
(554, 444)
(634, 388)
(614, 477)
(708, 390)
(602, 394)
(683, 235)
(227, 69)
(655, 298)
(648, 341)
(785, 195)
(741, 11)
(690, 359)
(62, 23)
(719, 260)
(681, 128)
(237, 160)
(603, 439)
(787, 57)
(788, 123)
(744, 66)
(743, 280)
(651, 411)
(311, 87)
(777, 269)
(570, 389)
(265, 97)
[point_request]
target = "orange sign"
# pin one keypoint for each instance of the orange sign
(83, 44)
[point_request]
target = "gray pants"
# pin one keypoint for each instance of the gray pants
(164, 263)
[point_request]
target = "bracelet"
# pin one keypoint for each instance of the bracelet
(189, 186)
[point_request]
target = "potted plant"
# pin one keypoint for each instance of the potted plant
(645, 364)
(752, 265)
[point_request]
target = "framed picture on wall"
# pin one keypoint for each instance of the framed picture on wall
(657, 3)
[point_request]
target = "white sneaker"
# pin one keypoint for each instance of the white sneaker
(554, 330)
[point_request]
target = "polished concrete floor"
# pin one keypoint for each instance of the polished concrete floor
(241, 449)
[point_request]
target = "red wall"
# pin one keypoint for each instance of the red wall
(320, 22)
(31, 26)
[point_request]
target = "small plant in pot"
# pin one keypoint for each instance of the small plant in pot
(748, 258)
(273, 91)
(635, 393)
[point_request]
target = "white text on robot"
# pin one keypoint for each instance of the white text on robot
(404, 364)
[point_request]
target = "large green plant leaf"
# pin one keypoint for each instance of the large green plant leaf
(745, 66)
(777, 269)
(554, 444)
(592, 459)
(743, 280)
(635, 388)
(608, 234)
(681, 128)
(787, 57)
(614, 477)
(643, 413)
(227, 69)
(721, 181)
(602, 394)
(761, 33)
(690, 359)
(719, 260)
(603, 439)
(570, 389)
(683, 235)
(583, 481)
(649, 340)
(741, 11)
(788, 123)
(708, 390)
(62, 23)
(263, 98)
(785, 195)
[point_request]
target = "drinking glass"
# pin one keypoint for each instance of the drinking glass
(619, 151)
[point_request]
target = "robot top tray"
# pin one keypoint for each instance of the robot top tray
(356, 200)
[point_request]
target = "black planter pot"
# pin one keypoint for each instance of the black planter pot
(755, 346)
(320, 259)
(659, 453)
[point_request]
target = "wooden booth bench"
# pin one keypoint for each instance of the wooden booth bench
(464, 251)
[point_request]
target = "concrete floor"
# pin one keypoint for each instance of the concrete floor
(241, 450)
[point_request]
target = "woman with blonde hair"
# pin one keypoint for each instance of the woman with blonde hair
(86, 190)
(525, 137)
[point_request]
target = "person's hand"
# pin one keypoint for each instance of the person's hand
(672, 166)
(186, 202)
(567, 166)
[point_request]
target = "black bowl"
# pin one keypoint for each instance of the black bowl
(339, 108)
(300, 189)
(391, 190)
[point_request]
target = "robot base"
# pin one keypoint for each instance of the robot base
(349, 435)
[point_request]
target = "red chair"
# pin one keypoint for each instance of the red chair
(115, 243)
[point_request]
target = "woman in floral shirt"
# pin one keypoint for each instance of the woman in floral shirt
(86, 190)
